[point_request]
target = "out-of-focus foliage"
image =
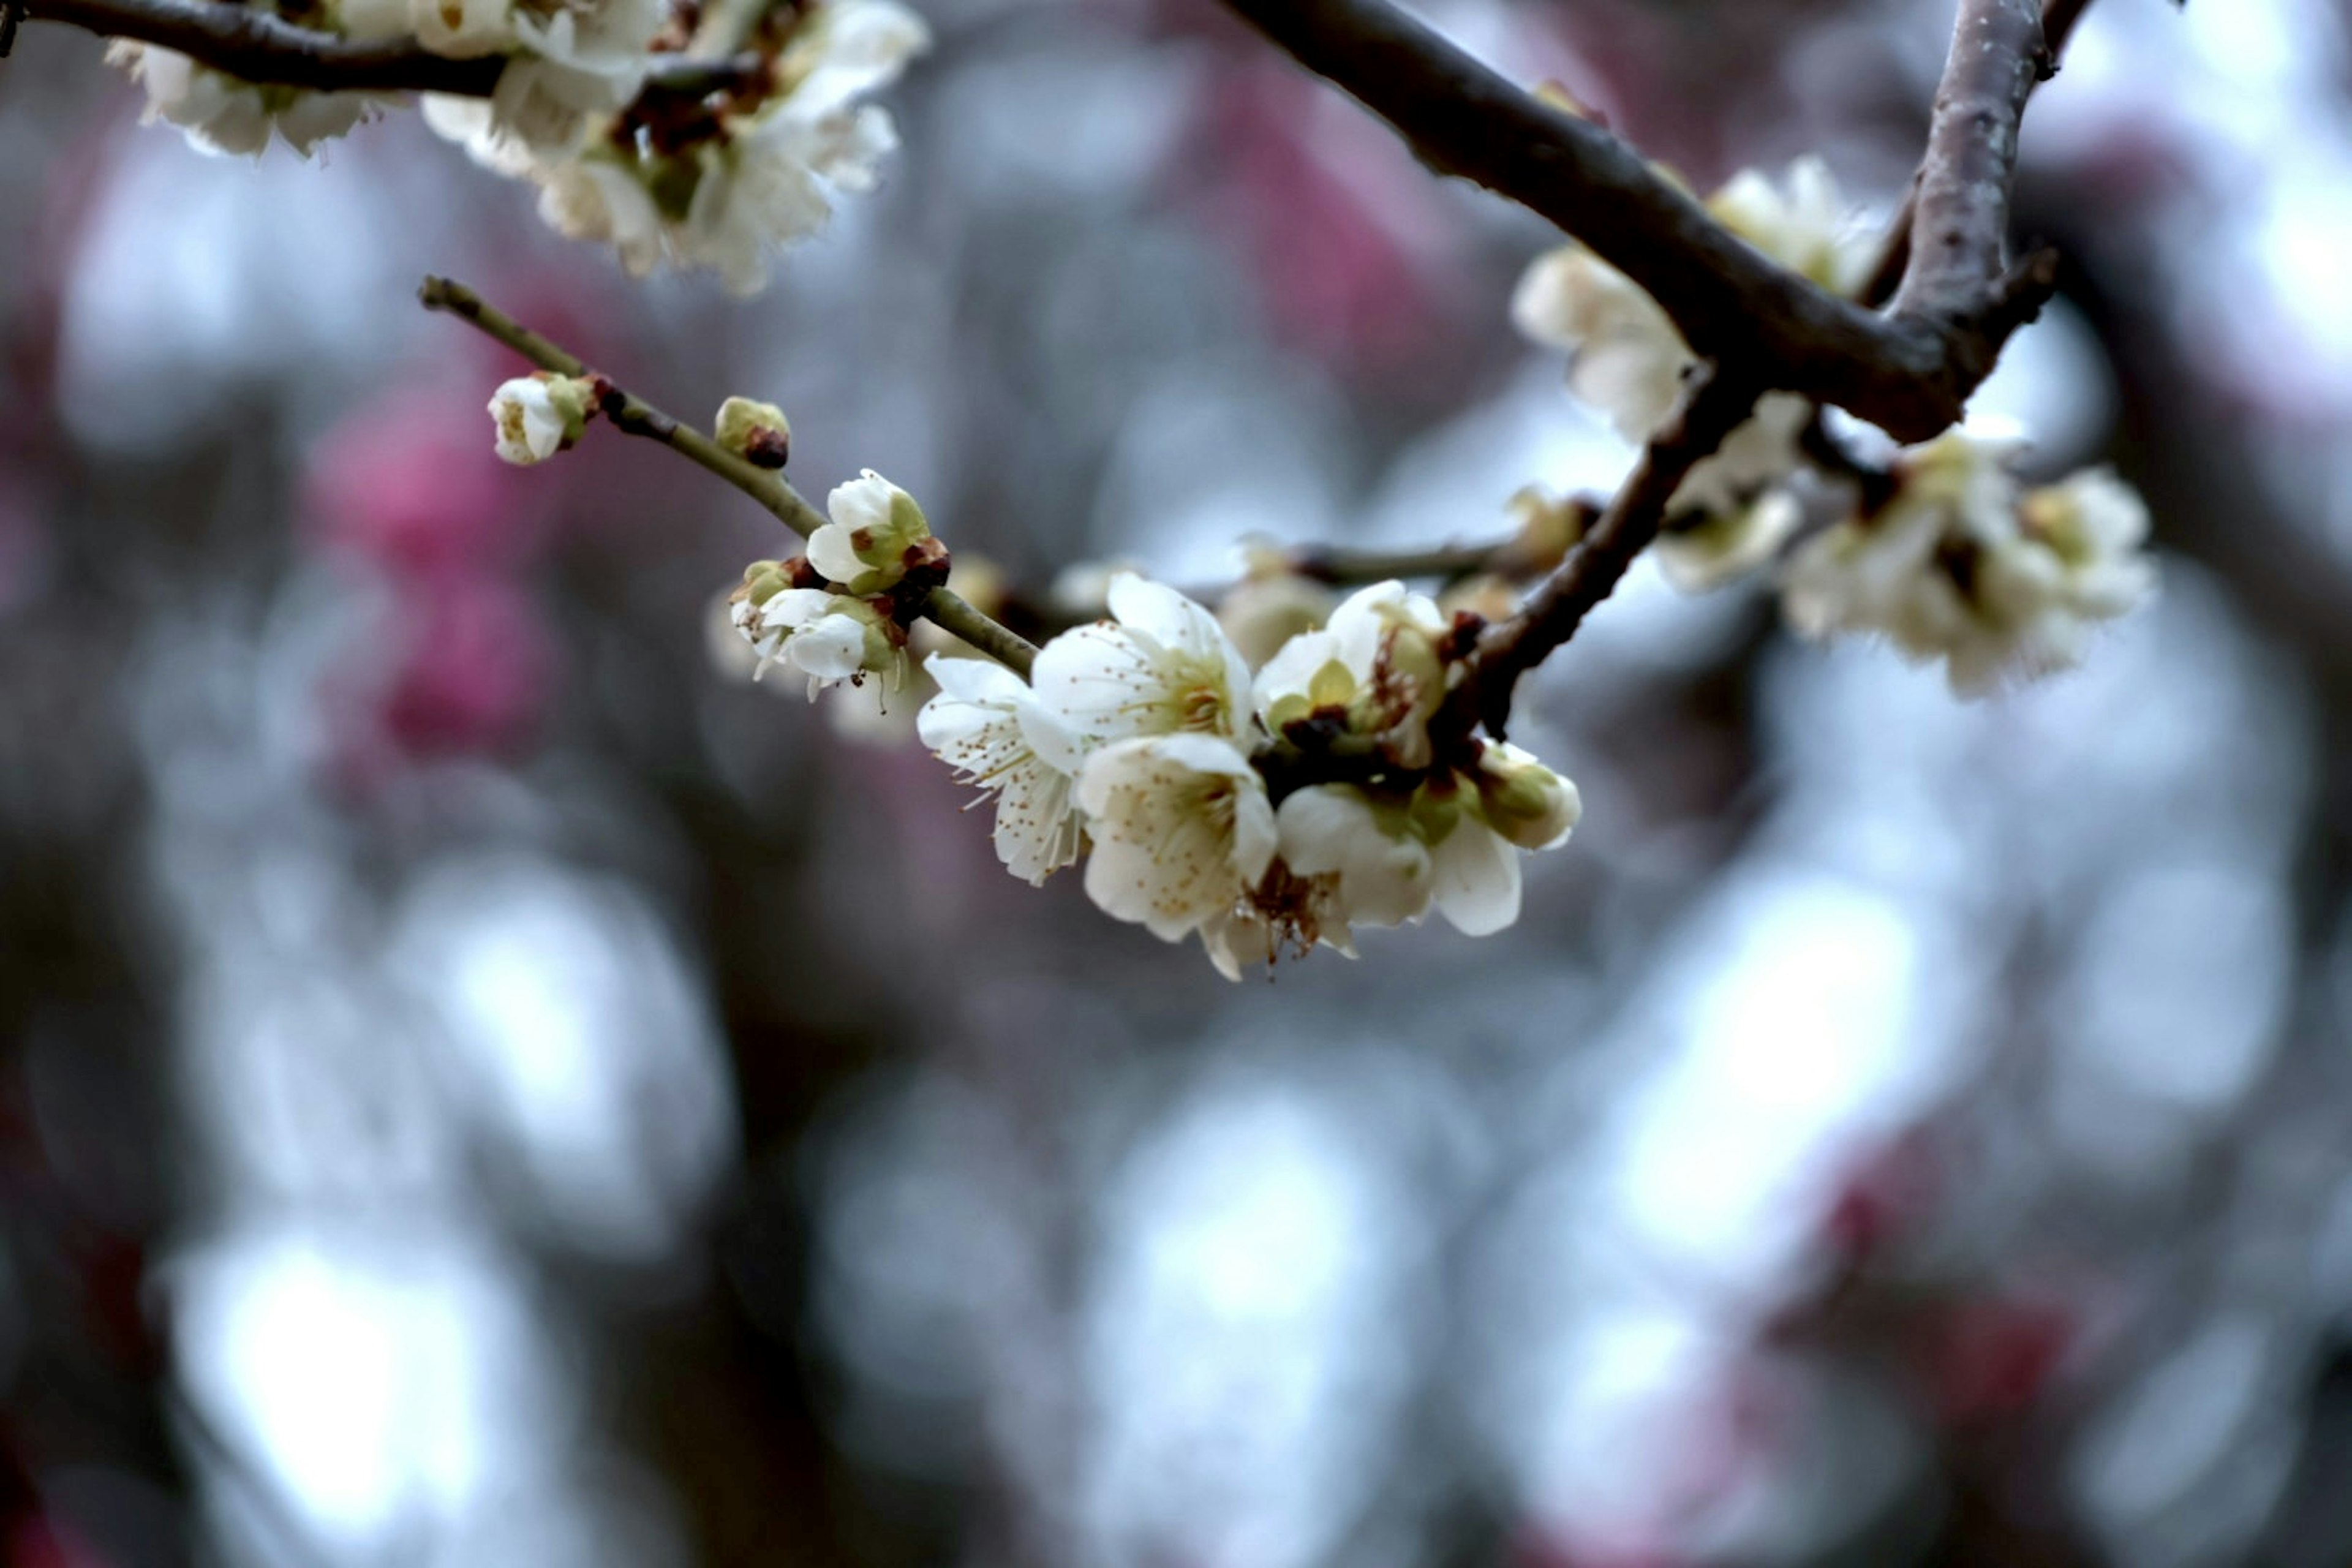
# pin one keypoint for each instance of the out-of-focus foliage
(480, 1085)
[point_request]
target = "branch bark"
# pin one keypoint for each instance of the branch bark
(1960, 239)
(1908, 374)
(256, 47)
(2058, 21)
(633, 415)
(1715, 403)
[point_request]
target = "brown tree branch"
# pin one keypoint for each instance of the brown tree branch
(633, 415)
(1908, 374)
(256, 47)
(2058, 21)
(1959, 226)
(1715, 403)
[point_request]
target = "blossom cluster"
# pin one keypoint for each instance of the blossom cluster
(698, 169)
(1946, 553)
(1146, 741)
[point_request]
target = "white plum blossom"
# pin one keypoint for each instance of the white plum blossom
(1396, 859)
(221, 114)
(1266, 609)
(983, 724)
(1805, 224)
(592, 198)
(1182, 830)
(1699, 552)
(538, 416)
(766, 183)
(1375, 663)
(764, 176)
(1161, 667)
(873, 524)
(1960, 565)
(585, 58)
(459, 29)
(1632, 364)
(831, 639)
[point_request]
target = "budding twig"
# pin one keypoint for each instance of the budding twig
(635, 416)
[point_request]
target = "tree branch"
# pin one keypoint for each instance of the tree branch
(256, 47)
(1909, 374)
(2058, 20)
(1959, 228)
(633, 415)
(1714, 405)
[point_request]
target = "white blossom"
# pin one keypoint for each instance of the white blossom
(586, 59)
(461, 28)
(1264, 610)
(1182, 830)
(1707, 550)
(222, 115)
(1630, 363)
(1960, 566)
(828, 638)
(596, 199)
(982, 724)
(537, 416)
(1376, 663)
(1397, 859)
(1161, 667)
(873, 524)
(1803, 223)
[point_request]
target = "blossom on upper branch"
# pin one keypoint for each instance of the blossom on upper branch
(1630, 363)
(220, 113)
(721, 187)
(1962, 565)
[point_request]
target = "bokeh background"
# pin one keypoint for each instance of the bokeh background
(481, 1085)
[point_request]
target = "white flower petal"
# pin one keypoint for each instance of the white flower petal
(1477, 880)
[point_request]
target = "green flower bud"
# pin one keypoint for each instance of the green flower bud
(866, 548)
(757, 432)
(1522, 800)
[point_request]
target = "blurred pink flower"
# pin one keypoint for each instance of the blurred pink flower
(476, 668)
(1339, 227)
(410, 483)
(1993, 1356)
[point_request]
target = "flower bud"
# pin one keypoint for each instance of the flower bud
(865, 549)
(539, 415)
(1550, 527)
(763, 580)
(756, 432)
(1523, 800)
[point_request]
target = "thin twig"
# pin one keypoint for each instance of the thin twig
(254, 46)
(635, 416)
